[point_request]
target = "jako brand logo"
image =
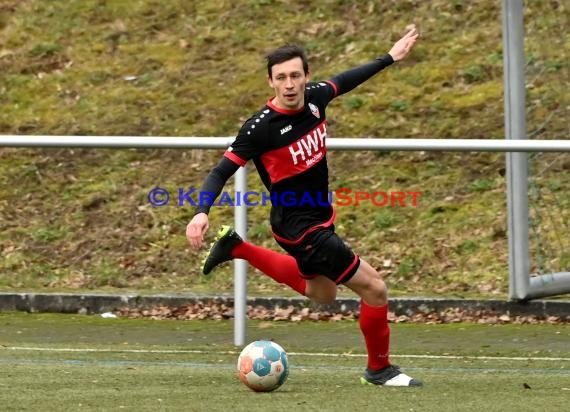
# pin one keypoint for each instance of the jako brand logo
(286, 129)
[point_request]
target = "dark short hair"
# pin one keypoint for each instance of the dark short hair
(285, 53)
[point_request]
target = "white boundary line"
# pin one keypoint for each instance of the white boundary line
(308, 354)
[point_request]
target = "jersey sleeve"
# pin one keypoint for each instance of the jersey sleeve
(322, 92)
(214, 183)
(249, 143)
(325, 91)
(348, 80)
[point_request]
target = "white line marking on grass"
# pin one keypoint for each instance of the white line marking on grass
(296, 367)
(308, 354)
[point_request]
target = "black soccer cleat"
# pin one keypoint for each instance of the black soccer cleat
(388, 376)
(221, 249)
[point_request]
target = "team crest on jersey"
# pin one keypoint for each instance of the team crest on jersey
(315, 110)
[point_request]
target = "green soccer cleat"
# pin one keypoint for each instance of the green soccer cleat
(389, 376)
(221, 249)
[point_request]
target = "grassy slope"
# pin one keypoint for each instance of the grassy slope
(79, 219)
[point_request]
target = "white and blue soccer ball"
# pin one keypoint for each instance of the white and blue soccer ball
(263, 366)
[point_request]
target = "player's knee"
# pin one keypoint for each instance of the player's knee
(381, 290)
(377, 293)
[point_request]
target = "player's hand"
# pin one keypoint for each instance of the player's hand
(196, 230)
(402, 47)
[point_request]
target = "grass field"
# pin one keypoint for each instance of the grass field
(64, 362)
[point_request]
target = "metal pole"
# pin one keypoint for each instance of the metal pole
(240, 265)
(551, 284)
(517, 163)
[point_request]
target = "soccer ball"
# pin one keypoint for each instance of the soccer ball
(263, 366)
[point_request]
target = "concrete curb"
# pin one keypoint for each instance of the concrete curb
(100, 303)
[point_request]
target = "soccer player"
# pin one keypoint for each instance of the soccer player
(286, 141)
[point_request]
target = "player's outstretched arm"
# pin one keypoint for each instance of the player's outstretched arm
(348, 80)
(402, 47)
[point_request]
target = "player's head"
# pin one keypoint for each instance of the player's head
(288, 73)
(284, 53)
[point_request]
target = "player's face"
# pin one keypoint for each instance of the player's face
(288, 79)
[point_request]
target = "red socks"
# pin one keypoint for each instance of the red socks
(374, 326)
(283, 269)
(280, 267)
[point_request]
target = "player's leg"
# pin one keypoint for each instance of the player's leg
(334, 259)
(321, 289)
(283, 268)
(373, 320)
(280, 267)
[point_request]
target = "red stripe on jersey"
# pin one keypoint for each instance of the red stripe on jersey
(283, 111)
(297, 157)
(235, 158)
(335, 88)
(326, 224)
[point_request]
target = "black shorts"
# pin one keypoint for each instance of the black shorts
(323, 252)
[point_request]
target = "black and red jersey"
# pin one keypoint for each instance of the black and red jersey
(288, 148)
(287, 143)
